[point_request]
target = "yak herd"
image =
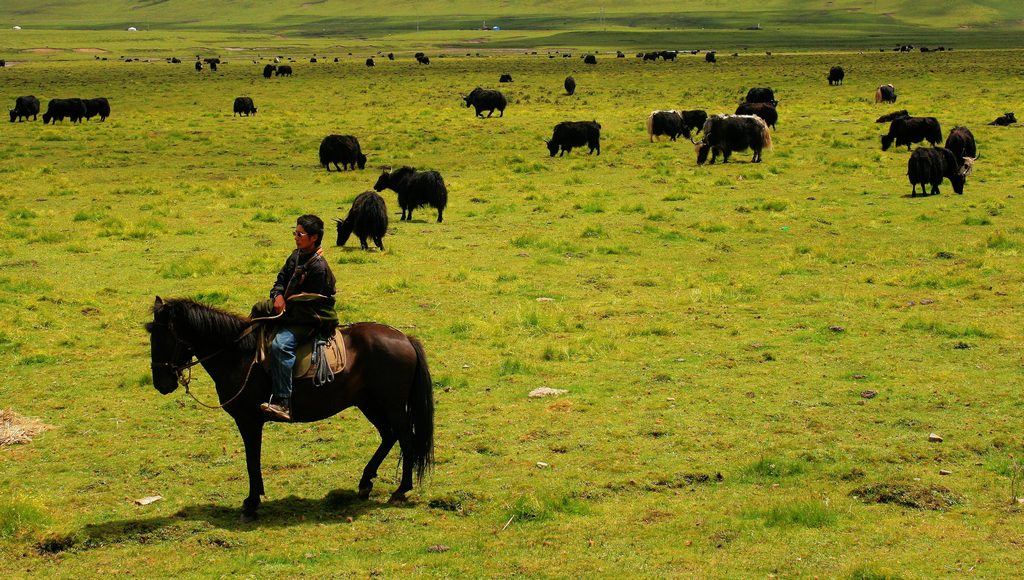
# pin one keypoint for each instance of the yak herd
(721, 134)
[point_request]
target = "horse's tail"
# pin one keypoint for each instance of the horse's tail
(421, 415)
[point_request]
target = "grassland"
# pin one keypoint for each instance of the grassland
(705, 320)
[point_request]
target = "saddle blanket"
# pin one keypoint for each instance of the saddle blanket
(336, 353)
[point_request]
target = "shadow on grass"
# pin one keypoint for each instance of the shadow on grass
(337, 505)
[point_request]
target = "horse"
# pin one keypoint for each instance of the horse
(386, 378)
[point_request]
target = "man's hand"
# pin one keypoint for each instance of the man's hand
(279, 304)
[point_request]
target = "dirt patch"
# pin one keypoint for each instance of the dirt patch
(15, 429)
(912, 495)
(233, 48)
(90, 50)
(43, 50)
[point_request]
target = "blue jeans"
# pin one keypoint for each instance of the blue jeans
(282, 362)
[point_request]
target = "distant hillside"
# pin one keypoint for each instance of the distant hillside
(970, 19)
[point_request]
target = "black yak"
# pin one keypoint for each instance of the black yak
(391, 56)
(486, 100)
(368, 218)
(664, 123)
(268, 71)
(415, 189)
(213, 66)
(667, 54)
(505, 78)
(761, 95)
(693, 121)
(590, 59)
(651, 56)
(57, 109)
(99, 106)
(893, 115)
(907, 130)
(929, 165)
(727, 133)
(569, 134)
(199, 66)
(885, 94)
(343, 149)
(764, 110)
(24, 107)
(369, 62)
(570, 85)
(836, 75)
(961, 143)
(244, 106)
(423, 59)
(1006, 119)
(284, 70)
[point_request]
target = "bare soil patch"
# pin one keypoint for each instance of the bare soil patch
(15, 429)
(43, 50)
(90, 50)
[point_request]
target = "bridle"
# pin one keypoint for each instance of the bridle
(183, 371)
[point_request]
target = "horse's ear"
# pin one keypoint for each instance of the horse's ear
(158, 302)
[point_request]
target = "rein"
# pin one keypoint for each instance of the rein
(185, 378)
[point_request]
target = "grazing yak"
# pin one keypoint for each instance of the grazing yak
(836, 75)
(727, 133)
(709, 56)
(893, 115)
(24, 107)
(651, 56)
(57, 109)
(1006, 119)
(415, 189)
(99, 106)
(764, 110)
(486, 100)
(391, 56)
(569, 134)
(343, 149)
(244, 106)
(674, 123)
(961, 143)
(268, 71)
(929, 165)
(368, 218)
(761, 95)
(590, 59)
(284, 70)
(505, 78)
(423, 59)
(199, 66)
(570, 85)
(369, 62)
(907, 130)
(668, 122)
(885, 94)
(667, 54)
(175, 60)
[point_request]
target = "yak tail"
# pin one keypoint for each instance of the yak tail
(878, 95)
(650, 127)
(766, 137)
(421, 415)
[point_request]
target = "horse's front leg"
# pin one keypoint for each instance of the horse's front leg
(252, 436)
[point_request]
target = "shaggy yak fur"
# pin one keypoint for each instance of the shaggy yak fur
(368, 218)
(415, 189)
(929, 165)
(569, 134)
(907, 130)
(764, 110)
(343, 149)
(727, 133)
(486, 100)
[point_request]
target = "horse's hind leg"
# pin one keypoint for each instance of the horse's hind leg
(387, 442)
(405, 441)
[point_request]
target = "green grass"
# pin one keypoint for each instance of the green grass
(688, 311)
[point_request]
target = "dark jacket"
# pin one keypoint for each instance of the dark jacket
(308, 286)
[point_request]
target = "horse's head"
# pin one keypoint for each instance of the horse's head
(168, 352)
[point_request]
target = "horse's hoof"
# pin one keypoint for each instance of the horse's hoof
(364, 493)
(398, 499)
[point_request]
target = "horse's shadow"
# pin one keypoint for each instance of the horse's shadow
(338, 505)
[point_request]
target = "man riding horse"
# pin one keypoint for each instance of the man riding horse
(302, 301)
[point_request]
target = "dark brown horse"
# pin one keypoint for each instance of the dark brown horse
(386, 378)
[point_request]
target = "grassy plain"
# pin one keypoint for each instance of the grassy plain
(705, 320)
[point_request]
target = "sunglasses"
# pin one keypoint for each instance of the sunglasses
(299, 234)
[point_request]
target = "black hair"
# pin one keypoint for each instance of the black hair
(313, 225)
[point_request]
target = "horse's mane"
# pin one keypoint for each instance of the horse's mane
(208, 322)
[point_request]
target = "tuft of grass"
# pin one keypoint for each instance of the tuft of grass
(770, 469)
(809, 514)
(945, 330)
(20, 517)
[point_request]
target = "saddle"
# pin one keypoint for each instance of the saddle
(335, 352)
